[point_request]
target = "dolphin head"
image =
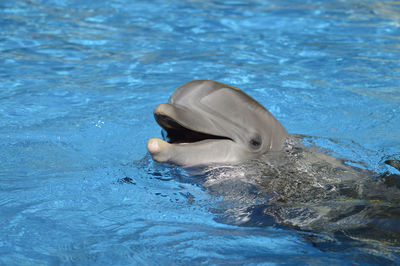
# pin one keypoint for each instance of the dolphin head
(208, 122)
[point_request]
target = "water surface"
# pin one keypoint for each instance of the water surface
(79, 81)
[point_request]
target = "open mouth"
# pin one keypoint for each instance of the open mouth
(175, 133)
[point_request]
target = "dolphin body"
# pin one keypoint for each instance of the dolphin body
(208, 122)
(214, 125)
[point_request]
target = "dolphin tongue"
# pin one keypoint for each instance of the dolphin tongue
(184, 123)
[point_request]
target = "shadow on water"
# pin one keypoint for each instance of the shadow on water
(338, 205)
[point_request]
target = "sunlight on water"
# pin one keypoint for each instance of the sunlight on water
(78, 84)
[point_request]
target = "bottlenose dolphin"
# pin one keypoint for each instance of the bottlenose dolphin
(210, 122)
(275, 175)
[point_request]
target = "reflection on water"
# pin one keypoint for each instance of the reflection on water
(79, 81)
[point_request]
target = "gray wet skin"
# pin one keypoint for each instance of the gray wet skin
(209, 122)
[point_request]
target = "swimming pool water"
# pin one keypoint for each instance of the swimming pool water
(78, 84)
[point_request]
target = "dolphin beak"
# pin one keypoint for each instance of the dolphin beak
(192, 138)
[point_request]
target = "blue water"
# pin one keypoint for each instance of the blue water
(78, 84)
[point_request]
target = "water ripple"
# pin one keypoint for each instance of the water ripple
(78, 84)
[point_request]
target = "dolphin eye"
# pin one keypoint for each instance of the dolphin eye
(256, 142)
